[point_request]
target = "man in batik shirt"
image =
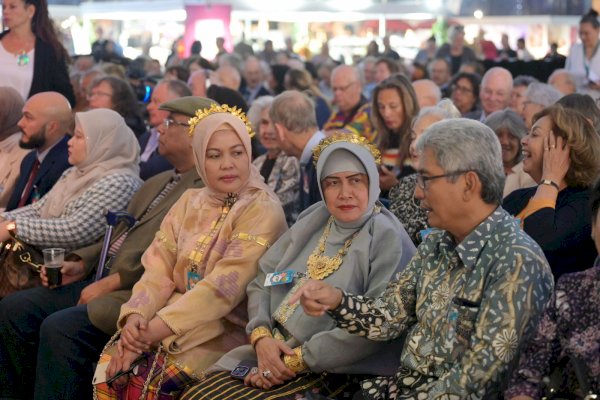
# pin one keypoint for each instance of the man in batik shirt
(471, 293)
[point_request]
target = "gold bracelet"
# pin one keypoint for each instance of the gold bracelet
(259, 333)
(295, 362)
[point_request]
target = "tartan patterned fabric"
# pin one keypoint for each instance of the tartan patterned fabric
(174, 380)
(223, 387)
(82, 221)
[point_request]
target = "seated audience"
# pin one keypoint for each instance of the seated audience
(353, 109)
(177, 72)
(464, 93)
(495, 91)
(510, 129)
(561, 154)
(226, 76)
(279, 170)
(117, 94)
(197, 83)
(402, 201)
(356, 248)
(300, 80)
(104, 176)
(151, 161)
(471, 293)
(203, 257)
(293, 117)
(517, 96)
(585, 105)
(46, 123)
(567, 336)
(428, 93)
(275, 80)
(384, 68)
(563, 81)
(255, 73)
(439, 73)
(537, 97)
(11, 155)
(81, 315)
(393, 108)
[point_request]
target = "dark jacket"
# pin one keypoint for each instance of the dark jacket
(563, 232)
(155, 163)
(54, 164)
(49, 72)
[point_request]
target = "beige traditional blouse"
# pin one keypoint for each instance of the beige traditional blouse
(11, 156)
(204, 301)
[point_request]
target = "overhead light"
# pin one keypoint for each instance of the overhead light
(478, 14)
(434, 4)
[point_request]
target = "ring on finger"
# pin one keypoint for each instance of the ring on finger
(254, 371)
(266, 373)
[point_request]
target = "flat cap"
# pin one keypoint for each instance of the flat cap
(187, 105)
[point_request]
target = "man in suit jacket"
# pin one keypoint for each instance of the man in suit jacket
(46, 121)
(293, 116)
(81, 315)
(151, 161)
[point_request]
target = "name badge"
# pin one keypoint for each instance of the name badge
(280, 278)
(425, 232)
(192, 279)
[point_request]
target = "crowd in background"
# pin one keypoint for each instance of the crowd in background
(464, 197)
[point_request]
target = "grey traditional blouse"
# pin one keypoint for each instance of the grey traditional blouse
(465, 309)
(380, 249)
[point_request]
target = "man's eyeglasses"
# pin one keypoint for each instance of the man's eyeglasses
(461, 89)
(342, 88)
(167, 122)
(422, 180)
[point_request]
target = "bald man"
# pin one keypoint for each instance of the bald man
(354, 111)
(197, 83)
(226, 76)
(47, 120)
(496, 89)
(428, 93)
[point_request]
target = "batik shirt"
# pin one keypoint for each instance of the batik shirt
(358, 123)
(463, 307)
(569, 328)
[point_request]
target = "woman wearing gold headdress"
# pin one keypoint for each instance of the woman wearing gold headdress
(349, 241)
(190, 301)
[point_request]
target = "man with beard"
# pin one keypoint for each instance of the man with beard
(46, 122)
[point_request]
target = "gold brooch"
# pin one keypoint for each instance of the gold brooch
(346, 137)
(214, 108)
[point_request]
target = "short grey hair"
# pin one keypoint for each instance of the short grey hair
(466, 145)
(295, 111)
(257, 107)
(507, 120)
(176, 87)
(445, 109)
(561, 71)
(542, 94)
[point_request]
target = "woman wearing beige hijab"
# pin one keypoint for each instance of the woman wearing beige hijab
(105, 154)
(190, 302)
(11, 155)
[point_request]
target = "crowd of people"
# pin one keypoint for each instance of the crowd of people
(297, 228)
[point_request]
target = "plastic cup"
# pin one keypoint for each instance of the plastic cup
(53, 260)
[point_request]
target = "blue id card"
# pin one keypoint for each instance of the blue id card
(280, 278)
(425, 232)
(192, 279)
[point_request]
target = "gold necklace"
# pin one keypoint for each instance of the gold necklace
(321, 266)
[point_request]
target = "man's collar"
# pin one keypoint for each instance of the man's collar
(470, 247)
(312, 142)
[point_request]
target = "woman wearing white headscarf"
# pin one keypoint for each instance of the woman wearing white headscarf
(105, 156)
(347, 240)
(11, 155)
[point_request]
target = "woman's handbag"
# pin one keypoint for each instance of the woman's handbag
(154, 378)
(20, 266)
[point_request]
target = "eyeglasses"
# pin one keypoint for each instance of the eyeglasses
(138, 367)
(96, 94)
(342, 88)
(461, 89)
(170, 121)
(422, 180)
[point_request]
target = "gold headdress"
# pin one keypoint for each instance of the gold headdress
(214, 108)
(346, 137)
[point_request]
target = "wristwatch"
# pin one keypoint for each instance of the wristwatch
(549, 182)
